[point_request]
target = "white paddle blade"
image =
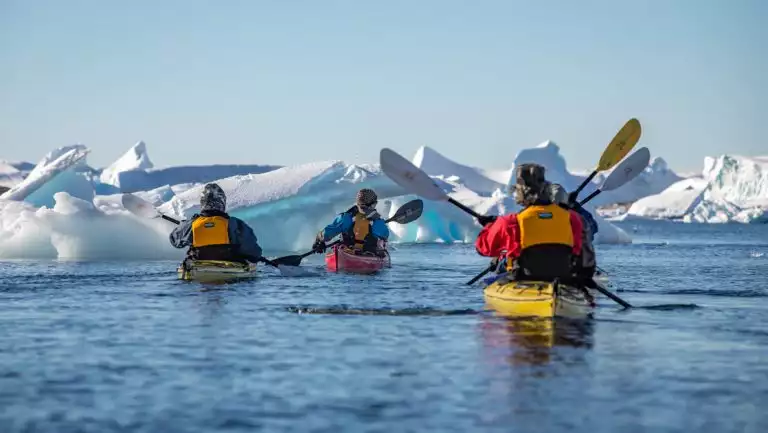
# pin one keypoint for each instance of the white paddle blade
(628, 169)
(408, 176)
(139, 206)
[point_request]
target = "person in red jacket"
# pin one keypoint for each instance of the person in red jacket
(542, 240)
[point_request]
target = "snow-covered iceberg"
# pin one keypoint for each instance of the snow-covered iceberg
(286, 206)
(730, 189)
(135, 172)
(136, 158)
(76, 229)
(61, 170)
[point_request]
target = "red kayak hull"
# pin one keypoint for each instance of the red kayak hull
(341, 259)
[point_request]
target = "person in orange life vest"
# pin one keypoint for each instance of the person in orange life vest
(360, 227)
(542, 240)
(213, 234)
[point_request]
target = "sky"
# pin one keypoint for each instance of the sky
(287, 82)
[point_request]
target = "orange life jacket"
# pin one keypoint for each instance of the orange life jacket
(546, 242)
(210, 239)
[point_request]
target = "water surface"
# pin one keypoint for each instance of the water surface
(125, 347)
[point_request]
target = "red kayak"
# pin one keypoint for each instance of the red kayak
(343, 259)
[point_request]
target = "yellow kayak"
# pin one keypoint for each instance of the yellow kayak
(537, 299)
(214, 271)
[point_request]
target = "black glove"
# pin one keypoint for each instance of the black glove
(319, 246)
(484, 220)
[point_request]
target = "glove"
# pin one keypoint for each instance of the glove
(319, 246)
(484, 220)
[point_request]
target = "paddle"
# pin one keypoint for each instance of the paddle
(413, 179)
(143, 208)
(629, 169)
(605, 292)
(482, 274)
(139, 206)
(616, 150)
(407, 213)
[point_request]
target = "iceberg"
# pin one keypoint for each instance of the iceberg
(74, 229)
(730, 189)
(136, 158)
(286, 206)
(134, 172)
(61, 170)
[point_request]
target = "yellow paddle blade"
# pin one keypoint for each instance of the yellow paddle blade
(621, 144)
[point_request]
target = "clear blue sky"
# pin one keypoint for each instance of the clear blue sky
(295, 81)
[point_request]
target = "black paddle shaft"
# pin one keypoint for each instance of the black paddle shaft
(464, 208)
(583, 184)
(590, 197)
(481, 274)
(167, 218)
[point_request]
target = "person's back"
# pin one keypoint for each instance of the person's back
(361, 228)
(585, 267)
(213, 234)
(540, 241)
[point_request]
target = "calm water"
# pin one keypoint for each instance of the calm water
(110, 347)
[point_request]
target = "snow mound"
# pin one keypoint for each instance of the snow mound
(730, 189)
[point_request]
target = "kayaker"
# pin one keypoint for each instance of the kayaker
(542, 240)
(361, 227)
(585, 268)
(213, 234)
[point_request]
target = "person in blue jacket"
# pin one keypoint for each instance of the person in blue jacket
(213, 234)
(361, 227)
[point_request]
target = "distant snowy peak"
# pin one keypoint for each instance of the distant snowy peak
(136, 158)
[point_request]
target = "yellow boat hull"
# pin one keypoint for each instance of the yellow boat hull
(537, 299)
(215, 271)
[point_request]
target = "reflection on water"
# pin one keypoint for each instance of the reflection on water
(534, 341)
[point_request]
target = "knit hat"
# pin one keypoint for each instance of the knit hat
(213, 198)
(366, 198)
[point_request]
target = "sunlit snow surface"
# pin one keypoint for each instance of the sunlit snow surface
(65, 209)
